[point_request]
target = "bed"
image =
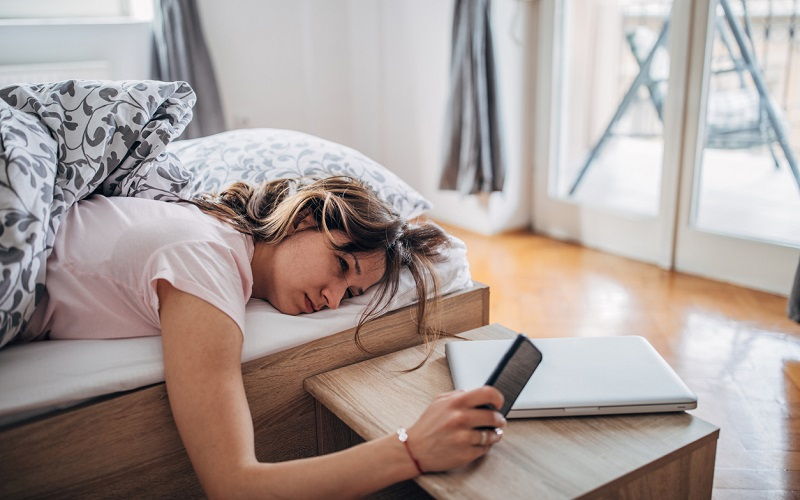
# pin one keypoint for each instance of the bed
(74, 424)
(126, 445)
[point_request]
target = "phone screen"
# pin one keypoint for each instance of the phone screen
(514, 370)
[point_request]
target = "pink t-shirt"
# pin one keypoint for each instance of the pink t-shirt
(109, 253)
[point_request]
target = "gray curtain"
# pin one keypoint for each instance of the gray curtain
(473, 161)
(794, 298)
(180, 54)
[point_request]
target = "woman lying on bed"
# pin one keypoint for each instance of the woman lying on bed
(126, 267)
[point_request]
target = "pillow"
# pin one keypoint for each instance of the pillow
(257, 155)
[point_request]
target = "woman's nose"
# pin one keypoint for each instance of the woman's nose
(334, 294)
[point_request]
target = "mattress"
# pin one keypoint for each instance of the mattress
(41, 377)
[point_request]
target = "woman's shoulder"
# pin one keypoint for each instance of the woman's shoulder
(129, 212)
(143, 225)
(132, 206)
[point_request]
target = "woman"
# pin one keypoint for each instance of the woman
(126, 267)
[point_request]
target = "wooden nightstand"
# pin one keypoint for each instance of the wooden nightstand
(668, 455)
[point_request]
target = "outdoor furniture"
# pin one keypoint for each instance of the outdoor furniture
(745, 119)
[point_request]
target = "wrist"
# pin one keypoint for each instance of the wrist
(397, 459)
(402, 436)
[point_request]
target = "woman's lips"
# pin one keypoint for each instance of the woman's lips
(309, 305)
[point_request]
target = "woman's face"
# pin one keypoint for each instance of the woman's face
(303, 274)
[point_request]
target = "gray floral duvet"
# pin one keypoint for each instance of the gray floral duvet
(62, 142)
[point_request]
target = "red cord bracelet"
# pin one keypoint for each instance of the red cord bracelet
(402, 435)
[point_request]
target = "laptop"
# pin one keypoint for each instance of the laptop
(579, 376)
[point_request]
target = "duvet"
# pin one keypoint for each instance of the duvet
(62, 142)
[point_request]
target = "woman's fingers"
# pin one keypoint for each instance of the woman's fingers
(446, 434)
(487, 437)
(486, 395)
(480, 417)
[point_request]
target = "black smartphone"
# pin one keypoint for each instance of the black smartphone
(514, 370)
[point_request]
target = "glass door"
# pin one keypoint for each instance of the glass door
(740, 195)
(669, 132)
(608, 118)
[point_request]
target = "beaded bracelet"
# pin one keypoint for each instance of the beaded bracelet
(402, 435)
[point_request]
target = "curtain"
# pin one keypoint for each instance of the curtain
(794, 297)
(473, 161)
(180, 54)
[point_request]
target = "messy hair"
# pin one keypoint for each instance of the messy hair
(271, 211)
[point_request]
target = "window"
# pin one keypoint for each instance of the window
(135, 10)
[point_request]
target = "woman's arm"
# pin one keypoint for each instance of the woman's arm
(202, 352)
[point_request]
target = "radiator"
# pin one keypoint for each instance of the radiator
(53, 72)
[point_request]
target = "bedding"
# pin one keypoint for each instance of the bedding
(61, 142)
(40, 377)
(257, 155)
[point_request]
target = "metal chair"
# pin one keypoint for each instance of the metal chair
(752, 120)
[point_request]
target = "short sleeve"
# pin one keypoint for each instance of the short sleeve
(207, 270)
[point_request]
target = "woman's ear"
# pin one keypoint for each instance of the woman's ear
(306, 222)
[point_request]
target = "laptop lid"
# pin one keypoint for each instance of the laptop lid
(584, 375)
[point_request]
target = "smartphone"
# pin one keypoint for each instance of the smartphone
(514, 370)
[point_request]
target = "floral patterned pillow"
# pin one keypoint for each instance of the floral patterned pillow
(257, 155)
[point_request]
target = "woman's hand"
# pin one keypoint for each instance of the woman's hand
(445, 436)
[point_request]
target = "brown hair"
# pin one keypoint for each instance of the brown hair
(272, 210)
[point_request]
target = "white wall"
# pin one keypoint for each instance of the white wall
(373, 74)
(283, 64)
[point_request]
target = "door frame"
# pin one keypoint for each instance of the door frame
(712, 255)
(646, 238)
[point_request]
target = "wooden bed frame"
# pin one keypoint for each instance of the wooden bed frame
(127, 446)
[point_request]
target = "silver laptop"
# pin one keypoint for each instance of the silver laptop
(579, 376)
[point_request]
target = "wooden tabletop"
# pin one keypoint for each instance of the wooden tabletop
(541, 458)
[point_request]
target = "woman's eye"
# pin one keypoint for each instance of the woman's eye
(343, 264)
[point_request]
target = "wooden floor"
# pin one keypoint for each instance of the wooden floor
(733, 346)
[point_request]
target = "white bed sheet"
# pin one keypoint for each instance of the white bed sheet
(40, 377)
